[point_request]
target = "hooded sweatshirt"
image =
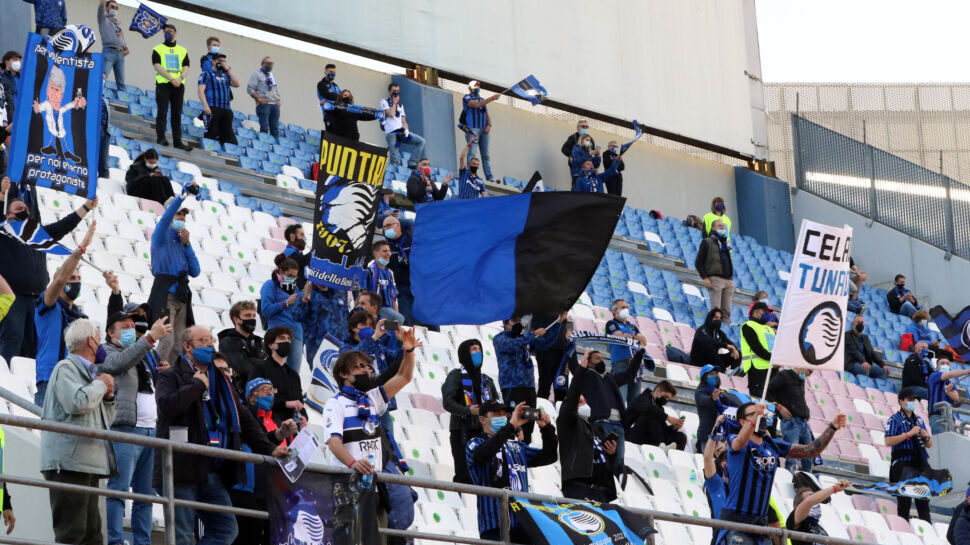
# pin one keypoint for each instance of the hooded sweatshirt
(707, 341)
(464, 387)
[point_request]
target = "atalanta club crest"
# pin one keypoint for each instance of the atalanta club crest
(370, 426)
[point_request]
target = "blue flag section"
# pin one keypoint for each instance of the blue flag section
(329, 106)
(637, 133)
(321, 508)
(955, 329)
(350, 178)
(32, 233)
(530, 89)
(147, 21)
(56, 136)
(931, 483)
(580, 523)
(507, 256)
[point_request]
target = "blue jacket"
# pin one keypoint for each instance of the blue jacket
(515, 367)
(275, 310)
(578, 157)
(926, 334)
(49, 13)
(594, 183)
(326, 314)
(169, 255)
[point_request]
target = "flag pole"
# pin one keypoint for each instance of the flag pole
(99, 269)
(764, 394)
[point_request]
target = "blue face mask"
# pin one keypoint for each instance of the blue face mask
(713, 381)
(589, 173)
(214, 49)
(127, 337)
(498, 422)
(910, 406)
(801, 376)
(944, 368)
(477, 359)
(721, 232)
(178, 224)
(390, 233)
(365, 333)
(382, 261)
(265, 402)
(583, 131)
(719, 207)
(924, 352)
(100, 355)
(203, 355)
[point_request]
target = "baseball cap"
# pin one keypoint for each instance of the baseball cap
(493, 406)
(707, 369)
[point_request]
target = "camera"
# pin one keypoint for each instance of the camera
(531, 414)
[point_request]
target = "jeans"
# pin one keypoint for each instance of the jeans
(937, 423)
(269, 118)
(482, 147)
(908, 309)
(135, 464)
(722, 292)
(921, 392)
(114, 59)
(632, 389)
(168, 349)
(796, 430)
(394, 146)
(41, 394)
(220, 528)
(875, 371)
(854, 306)
(616, 427)
(18, 337)
(295, 360)
(405, 302)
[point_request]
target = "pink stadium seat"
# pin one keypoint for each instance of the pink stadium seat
(646, 324)
(872, 394)
(584, 324)
(836, 386)
(859, 533)
(693, 372)
(600, 325)
(284, 221)
(898, 523)
(278, 233)
(883, 506)
(858, 434)
(843, 404)
(873, 422)
(864, 503)
(670, 338)
(816, 385)
(849, 451)
(884, 451)
(833, 449)
(818, 426)
(152, 206)
(829, 413)
(892, 400)
(427, 402)
(855, 392)
(653, 337)
(826, 374)
(655, 351)
(602, 313)
(273, 245)
(854, 418)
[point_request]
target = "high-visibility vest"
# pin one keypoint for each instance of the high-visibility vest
(3, 446)
(172, 59)
(766, 336)
(711, 217)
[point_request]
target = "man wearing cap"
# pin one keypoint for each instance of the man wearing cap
(958, 533)
(133, 363)
(757, 340)
(707, 397)
(498, 458)
(477, 123)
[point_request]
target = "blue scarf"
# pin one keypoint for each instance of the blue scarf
(363, 402)
(221, 412)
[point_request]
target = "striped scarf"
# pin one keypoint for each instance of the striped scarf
(468, 387)
(363, 402)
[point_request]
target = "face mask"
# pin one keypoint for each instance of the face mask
(151, 166)
(600, 367)
(214, 49)
(473, 170)
(365, 332)
(100, 355)
(426, 171)
(331, 76)
(583, 131)
(112, 13)
(268, 67)
(713, 381)
(584, 412)
(719, 207)
(390, 233)
(382, 261)
(587, 144)
(127, 337)
(716, 324)
(944, 368)
(363, 383)
(23, 215)
(901, 286)
(141, 327)
(289, 280)
(248, 325)
(347, 100)
(395, 93)
(589, 173)
(910, 406)
(860, 327)
(498, 422)
(476, 359)
(178, 225)
(815, 512)
(924, 352)
(721, 232)
(624, 314)
(516, 330)
(203, 355)
(282, 349)
(15, 66)
(801, 376)
(615, 149)
(660, 401)
(265, 402)
(924, 323)
(169, 37)
(72, 290)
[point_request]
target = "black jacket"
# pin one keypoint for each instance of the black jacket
(576, 440)
(707, 411)
(643, 406)
(608, 158)
(179, 398)
(488, 449)
(453, 400)
(707, 341)
(913, 371)
(243, 353)
(25, 268)
(853, 342)
(892, 297)
(602, 392)
(786, 388)
(139, 174)
(567, 147)
(960, 516)
(344, 123)
(416, 189)
(285, 380)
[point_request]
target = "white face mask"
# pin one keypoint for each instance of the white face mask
(584, 412)
(624, 314)
(151, 165)
(15, 66)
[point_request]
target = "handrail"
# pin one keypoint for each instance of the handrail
(169, 446)
(947, 410)
(15, 398)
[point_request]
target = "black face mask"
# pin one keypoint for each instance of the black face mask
(473, 170)
(72, 290)
(248, 325)
(600, 367)
(347, 100)
(901, 286)
(716, 324)
(516, 330)
(860, 327)
(283, 349)
(23, 215)
(395, 93)
(363, 383)
(660, 401)
(331, 76)
(141, 327)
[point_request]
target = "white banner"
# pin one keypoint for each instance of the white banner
(813, 319)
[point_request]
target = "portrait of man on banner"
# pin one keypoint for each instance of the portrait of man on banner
(351, 176)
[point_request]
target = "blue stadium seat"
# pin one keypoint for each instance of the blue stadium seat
(270, 208)
(233, 149)
(167, 162)
(251, 203)
(111, 84)
(230, 187)
(309, 185)
(249, 163)
(194, 104)
(209, 144)
(195, 132)
(271, 168)
(181, 177)
(296, 130)
(266, 138)
(135, 91)
(110, 94)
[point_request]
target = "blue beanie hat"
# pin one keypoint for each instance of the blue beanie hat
(255, 383)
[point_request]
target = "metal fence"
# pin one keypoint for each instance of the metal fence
(877, 184)
(166, 448)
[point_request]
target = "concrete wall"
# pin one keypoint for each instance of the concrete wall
(31, 505)
(883, 252)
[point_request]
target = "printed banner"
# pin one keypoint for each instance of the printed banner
(56, 136)
(931, 483)
(812, 328)
(322, 509)
(349, 181)
(322, 384)
(578, 523)
(594, 337)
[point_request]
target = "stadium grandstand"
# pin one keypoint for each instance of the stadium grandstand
(233, 208)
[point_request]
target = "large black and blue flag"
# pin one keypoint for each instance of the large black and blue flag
(930, 483)
(637, 133)
(476, 261)
(33, 234)
(580, 523)
(147, 21)
(956, 329)
(530, 89)
(56, 137)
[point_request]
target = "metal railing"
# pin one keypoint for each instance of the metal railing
(170, 502)
(947, 411)
(898, 193)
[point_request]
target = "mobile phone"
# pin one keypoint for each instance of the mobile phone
(531, 414)
(392, 325)
(612, 436)
(165, 313)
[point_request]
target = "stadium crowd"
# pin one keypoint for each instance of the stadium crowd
(152, 370)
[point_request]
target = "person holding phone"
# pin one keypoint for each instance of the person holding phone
(587, 452)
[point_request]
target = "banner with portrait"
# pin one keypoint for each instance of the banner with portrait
(57, 119)
(322, 508)
(349, 182)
